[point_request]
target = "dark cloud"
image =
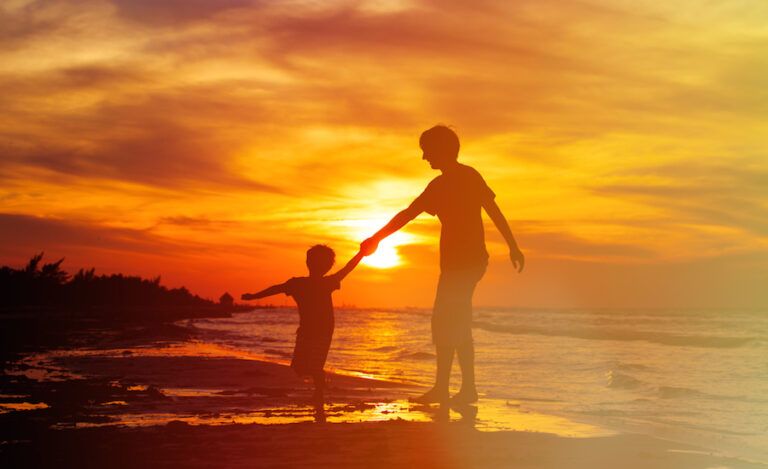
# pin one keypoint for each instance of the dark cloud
(488, 66)
(27, 22)
(23, 234)
(95, 76)
(173, 12)
(199, 223)
(166, 139)
(98, 76)
(169, 158)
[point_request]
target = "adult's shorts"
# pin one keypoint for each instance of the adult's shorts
(452, 312)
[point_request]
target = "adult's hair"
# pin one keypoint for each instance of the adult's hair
(441, 139)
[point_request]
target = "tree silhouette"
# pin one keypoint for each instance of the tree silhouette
(48, 286)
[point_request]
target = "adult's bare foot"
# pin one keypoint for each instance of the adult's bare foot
(433, 396)
(464, 397)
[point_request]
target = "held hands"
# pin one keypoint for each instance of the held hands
(517, 258)
(369, 246)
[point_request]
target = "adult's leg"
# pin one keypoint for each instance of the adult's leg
(444, 347)
(439, 392)
(465, 349)
(444, 365)
(466, 354)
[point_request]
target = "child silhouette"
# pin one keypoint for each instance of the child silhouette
(316, 322)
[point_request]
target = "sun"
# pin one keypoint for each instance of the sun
(385, 257)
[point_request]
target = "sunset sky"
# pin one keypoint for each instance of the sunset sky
(212, 142)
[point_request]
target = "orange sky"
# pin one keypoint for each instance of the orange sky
(212, 142)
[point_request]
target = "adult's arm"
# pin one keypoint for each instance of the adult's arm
(515, 255)
(398, 221)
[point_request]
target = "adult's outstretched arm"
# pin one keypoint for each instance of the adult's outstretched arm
(398, 221)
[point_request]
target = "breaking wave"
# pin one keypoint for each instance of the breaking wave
(593, 333)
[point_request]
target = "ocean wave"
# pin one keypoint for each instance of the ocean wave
(279, 353)
(620, 335)
(631, 366)
(385, 348)
(417, 356)
(618, 380)
(673, 392)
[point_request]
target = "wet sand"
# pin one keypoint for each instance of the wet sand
(185, 403)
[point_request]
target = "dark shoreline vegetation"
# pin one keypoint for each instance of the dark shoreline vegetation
(42, 306)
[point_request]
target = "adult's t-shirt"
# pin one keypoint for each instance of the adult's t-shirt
(457, 197)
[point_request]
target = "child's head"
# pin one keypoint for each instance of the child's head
(440, 144)
(320, 259)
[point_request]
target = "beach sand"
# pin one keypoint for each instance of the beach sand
(191, 404)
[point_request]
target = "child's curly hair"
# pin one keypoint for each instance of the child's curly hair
(320, 258)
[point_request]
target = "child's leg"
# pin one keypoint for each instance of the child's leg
(318, 397)
(319, 378)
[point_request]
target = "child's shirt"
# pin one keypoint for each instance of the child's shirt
(313, 298)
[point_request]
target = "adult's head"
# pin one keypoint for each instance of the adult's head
(440, 146)
(320, 259)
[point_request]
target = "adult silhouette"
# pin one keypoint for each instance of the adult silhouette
(456, 196)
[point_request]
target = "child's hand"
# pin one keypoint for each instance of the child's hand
(247, 296)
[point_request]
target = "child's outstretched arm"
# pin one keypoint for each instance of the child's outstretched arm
(349, 267)
(273, 290)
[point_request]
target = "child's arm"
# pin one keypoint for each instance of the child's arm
(349, 267)
(273, 290)
(493, 211)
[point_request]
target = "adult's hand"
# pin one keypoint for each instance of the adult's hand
(369, 246)
(517, 258)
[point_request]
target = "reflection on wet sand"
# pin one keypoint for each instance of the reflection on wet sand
(16, 406)
(487, 416)
(206, 384)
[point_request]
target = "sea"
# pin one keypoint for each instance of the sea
(695, 376)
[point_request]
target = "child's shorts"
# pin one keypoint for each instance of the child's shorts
(311, 351)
